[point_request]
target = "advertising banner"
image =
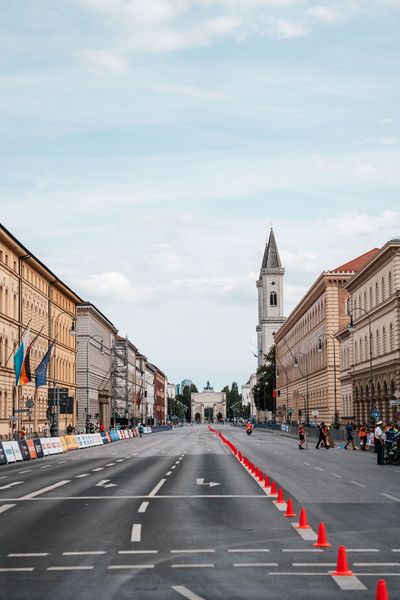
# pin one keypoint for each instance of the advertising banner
(3, 458)
(38, 448)
(16, 450)
(9, 452)
(23, 446)
(32, 449)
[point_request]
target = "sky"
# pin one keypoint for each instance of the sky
(147, 147)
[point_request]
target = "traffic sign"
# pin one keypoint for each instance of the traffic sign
(375, 414)
(29, 403)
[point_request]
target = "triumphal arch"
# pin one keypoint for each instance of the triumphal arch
(208, 405)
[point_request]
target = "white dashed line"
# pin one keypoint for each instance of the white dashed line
(74, 568)
(319, 469)
(27, 554)
(186, 593)
(137, 551)
(136, 532)
(190, 551)
(89, 553)
(243, 565)
(193, 566)
(240, 550)
(302, 550)
(26, 471)
(357, 483)
(98, 469)
(157, 487)
(391, 497)
(168, 473)
(110, 465)
(120, 567)
(17, 570)
(143, 507)
(45, 466)
(336, 475)
(174, 467)
(6, 507)
(83, 475)
(46, 489)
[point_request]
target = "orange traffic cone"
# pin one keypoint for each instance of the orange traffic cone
(266, 482)
(273, 488)
(281, 499)
(322, 542)
(303, 523)
(342, 568)
(260, 476)
(289, 509)
(381, 590)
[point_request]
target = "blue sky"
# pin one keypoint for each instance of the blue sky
(146, 147)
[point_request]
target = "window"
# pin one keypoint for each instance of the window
(273, 299)
(378, 343)
(383, 288)
(390, 284)
(384, 340)
(371, 298)
(391, 340)
(376, 293)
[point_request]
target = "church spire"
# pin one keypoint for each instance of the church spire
(271, 258)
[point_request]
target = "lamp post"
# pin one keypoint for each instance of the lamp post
(56, 397)
(100, 339)
(351, 329)
(331, 337)
(297, 365)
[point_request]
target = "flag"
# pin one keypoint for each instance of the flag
(41, 369)
(26, 376)
(19, 356)
(138, 397)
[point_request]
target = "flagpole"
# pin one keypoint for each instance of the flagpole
(35, 420)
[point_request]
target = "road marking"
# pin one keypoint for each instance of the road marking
(168, 473)
(6, 507)
(381, 564)
(143, 507)
(348, 582)
(319, 469)
(116, 567)
(191, 551)
(240, 550)
(4, 477)
(308, 464)
(26, 471)
(120, 460)
(88, 553)
(302, 550)
(395, 549)
(186, 593)
(83, 475)
(110, 465)
(46, 489)
(336, 475)
(357, 483)
(60, 462)
(362, 550)
(74, 568)
(136, 532)
(308, 535)
(45, 466)
(391, 497)
(105, 483)
(240, 565)
(137, 551)
(132, 497)
(280, 505)
(98, 469)
(158, 486)
(177, 462)
(318, 564)
(27, 554)
(193, 566)
(10, 485)
(210, 484)
(17, 570)
(174, 467)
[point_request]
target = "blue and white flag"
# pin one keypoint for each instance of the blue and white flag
(41, 370)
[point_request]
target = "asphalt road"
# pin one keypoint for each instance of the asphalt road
(139, 519)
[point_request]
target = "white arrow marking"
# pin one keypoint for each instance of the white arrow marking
(10, 485)
(210, 484)
(105, 483)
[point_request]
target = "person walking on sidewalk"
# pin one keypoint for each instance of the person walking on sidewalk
(363, 435)
(349, 434)
(301, 437)
(322, 437)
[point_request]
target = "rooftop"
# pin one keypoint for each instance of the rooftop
(353, 266)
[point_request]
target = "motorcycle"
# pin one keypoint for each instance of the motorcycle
(249, 431)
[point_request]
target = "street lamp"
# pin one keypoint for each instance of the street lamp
(330, 336)
(100, 339)
(351, 329)
(56, 396)
(297, 365)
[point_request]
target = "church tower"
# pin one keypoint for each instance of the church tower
(270, 298)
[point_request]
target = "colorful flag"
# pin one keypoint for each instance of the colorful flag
(26, 376)
(19, 356)
(138, 397)
(41, 370)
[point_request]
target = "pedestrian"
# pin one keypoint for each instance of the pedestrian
(46, 430)
(350, 435)
(322, 437)
(380, 439)
(301, 437)
(363, 436)
(70, 429)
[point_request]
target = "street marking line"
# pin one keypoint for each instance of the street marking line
(174, 467)
(382, 564)
(4, 477)
(243, 565)
(83, 475)
(45, 466)
(193, 566)
(308, 535)
(46, 489)
(73, 568)
(143, 507)
(60, 462)
(308, 464)
(168, 473)
(240, 550)
(157, 487)
(10, 485)
(336, 475)
(318, 564)
(119, 567)
(395, 549)
(88, 553)
(6, 507)
(137, 551)
(357, 483)
(120, 460)
(302, 550)
(110, 465)
(186, 593)
(190, 551)
(26, 471)
(136, 532)
(319, 469)
(27, 554)
(98, 469)
(17, 570)
(362, 550)
(348, 582)
(391, 497)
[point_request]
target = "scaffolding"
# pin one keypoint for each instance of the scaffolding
(119, 381)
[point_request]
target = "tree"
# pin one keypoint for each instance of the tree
(186, 399)
(264, 390)
(233, 401)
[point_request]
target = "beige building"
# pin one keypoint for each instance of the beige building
(307, 352)
(370, 351)
(30, 294)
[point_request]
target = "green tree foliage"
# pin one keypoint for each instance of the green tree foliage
(186, 399)
(263, 390)
(233, 401)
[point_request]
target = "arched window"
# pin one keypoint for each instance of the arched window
(273, 299)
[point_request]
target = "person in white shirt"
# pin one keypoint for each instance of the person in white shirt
(380, 438)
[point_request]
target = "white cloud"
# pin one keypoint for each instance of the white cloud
(351, 224)
(290, 29)
(383, 141)
(104, 59)
(327, 14)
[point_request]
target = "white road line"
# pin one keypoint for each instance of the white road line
(143, 507)
(240, 550)
(318, 564)
(110, 465)
(120, 460)
(46, 489)
(27, 554)
(158, 486)
(336, 475)
(45, 466)
(74, 568)
(308, 535)
(308, 464)
(88, 553)
(191, 551)
(302, 550)
(362, 550)
(98, 469)
(10, 485)
(177, 462)
(4, 477)
(357, 483)
(239, 565)
(378, 574)
(391, 497)
(137, 551)
(168, 473)
(119, 567)
(6, 507)
(17, 570)
(376, 564)
(319, 469)
(186, 593)
(26, 471)
(193, 566)
(395, 549)
(60, 462)
(348, 582)
(136, 532)
(83, 475)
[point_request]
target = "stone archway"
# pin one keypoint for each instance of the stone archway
(208, 399)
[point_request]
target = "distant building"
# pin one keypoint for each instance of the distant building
(180, 386)
(248, 397)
